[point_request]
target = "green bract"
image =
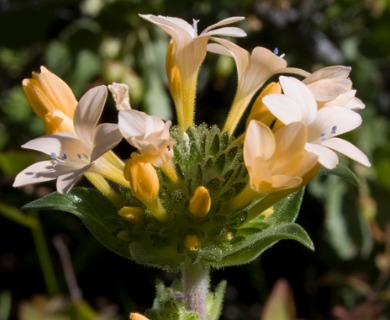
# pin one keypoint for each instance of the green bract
(203, 156)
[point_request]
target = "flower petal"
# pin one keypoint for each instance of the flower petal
(347, 149)
(66, 181)
(106, 137)
(259, 142)
(326, 157)
(332, 72)
(223, 22)
(298, 91)
(226, 32)
(88, 113)
(170, 24)
(120, 93)
(47, 92)
(41, 171)
(286, 109)
(333, 121)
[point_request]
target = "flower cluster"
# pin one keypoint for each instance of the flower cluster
(190, 190)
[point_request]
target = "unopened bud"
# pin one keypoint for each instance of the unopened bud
(192, 242)
(137, 316)
(132, 214)
(143, 178)
(268, 212)
(200, 202)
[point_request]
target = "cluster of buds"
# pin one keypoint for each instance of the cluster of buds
(196, 190)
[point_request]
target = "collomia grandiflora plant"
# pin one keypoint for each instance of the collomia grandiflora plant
(194, 197)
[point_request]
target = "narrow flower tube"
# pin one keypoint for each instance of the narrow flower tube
(200, 202)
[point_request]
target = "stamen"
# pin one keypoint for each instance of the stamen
(53, 155)
(64, 156)
(195, 26)
(333, 130)
(79, 155)
(276, 52)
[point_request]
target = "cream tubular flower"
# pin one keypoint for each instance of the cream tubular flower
(331, 86)
(186, 53)
(297, 103)
(277, 161)
(74, 154)
(52, 100)
(149, 134)
(253, 70)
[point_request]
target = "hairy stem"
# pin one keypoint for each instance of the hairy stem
(195, 278)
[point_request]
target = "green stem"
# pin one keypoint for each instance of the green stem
(44, 257)
(195, 278)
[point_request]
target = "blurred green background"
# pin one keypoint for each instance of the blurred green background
(95, 41)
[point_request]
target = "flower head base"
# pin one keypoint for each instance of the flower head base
(52, 100)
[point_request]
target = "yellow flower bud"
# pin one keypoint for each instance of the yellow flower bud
(52, 100)
(200, 202)
(268, 212)
(143, 178)
(132, 214)
(192, 242)
(137, 316)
